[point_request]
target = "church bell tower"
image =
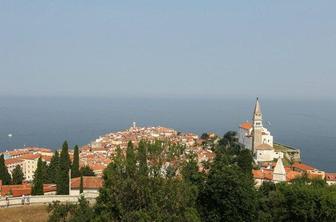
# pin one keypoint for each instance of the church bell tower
(257, 126)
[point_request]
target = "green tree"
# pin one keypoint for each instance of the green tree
(80, 212)
(244, 161)
(4, 174)
(45, 176)
(311, 201)
(63, 173)
(129, 197)
(228, 193)
(60, 212)
(18, 175)
(53, 169)
(37, 188)
(75, 164)
(190, 171)
(142, 157)
(205, 136)
(86, 171)
(130, 160)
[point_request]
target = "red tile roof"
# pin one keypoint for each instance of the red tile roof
(49, 188)
(24, 189)
(89, 182)
(246, 125)
(263, 174)
(330, 176)
(30, 156)
(95, 167)
(291, 175)
(46, 158)
(302, 166)
(17, 152)
(13, 161)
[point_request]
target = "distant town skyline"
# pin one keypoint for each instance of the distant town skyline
(269, 49)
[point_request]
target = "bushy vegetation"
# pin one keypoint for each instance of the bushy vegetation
(138, 188)
(57, 171)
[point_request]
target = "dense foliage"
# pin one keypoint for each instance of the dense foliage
(86, 171)
(4, 174)
(53, 169)
(139, 186)
(17, 175)
(63, 170)
(75, 163)
(303, 200)
(37, 188)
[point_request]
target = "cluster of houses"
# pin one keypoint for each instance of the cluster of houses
(269, 159)
(111, 141)
(272, 163)
(27, 159)
(99, 153)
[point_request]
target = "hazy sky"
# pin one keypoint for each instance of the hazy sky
(168, 48)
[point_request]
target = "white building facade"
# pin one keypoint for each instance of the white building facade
(255, 137)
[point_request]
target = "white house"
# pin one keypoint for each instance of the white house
(266, 153)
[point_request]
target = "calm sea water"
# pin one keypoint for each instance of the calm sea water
(309, 125)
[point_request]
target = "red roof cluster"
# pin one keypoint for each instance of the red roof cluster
(302, 166)
(23, 189)
(89, 182)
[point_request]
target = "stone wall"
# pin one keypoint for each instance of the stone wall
(46, 199)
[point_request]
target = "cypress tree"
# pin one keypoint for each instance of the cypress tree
(53, 169)
(63, 172)
(75, 164)
(81, 184)
(37, 188)
(142, 158)
(17, 175)
(4, 174)
(130, 160)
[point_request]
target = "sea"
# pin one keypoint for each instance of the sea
(309, 125)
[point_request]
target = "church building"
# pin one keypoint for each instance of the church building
(256, 137)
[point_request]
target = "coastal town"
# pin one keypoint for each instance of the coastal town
(273, 162)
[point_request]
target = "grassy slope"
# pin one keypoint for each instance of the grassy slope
(24, 213)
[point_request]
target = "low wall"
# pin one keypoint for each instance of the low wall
(46, 199)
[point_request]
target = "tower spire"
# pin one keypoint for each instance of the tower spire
(257, 109)
(257, 126)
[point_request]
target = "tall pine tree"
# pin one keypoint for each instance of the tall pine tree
(53, 169)
(142, 157)
(130, 160)
(63, 172)
(4, 175)
(18, 175)
(75, 164)
(37, 188)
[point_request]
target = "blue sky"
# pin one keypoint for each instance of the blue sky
(283, 49)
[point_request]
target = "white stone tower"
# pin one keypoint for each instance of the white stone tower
(257, 126)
